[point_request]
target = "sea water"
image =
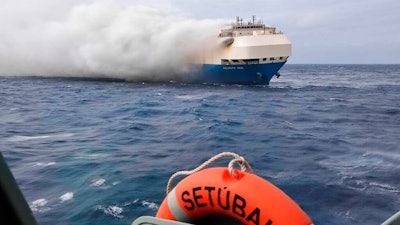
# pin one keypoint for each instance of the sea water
(87, 151)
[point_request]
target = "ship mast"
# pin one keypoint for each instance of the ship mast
(239, 21)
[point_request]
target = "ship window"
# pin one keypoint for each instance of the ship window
(224, 62)
(252, 61)
(272, 58)
(264, 59)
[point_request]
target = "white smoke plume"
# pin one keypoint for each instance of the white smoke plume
(98, 39)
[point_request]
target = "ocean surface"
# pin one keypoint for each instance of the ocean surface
(101, 151)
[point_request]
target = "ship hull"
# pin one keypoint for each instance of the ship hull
(236, 74)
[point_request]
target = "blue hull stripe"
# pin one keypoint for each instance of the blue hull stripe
(237, 74)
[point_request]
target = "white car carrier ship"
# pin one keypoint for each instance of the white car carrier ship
(250, 53)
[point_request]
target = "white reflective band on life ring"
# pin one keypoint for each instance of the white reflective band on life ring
(176, 209)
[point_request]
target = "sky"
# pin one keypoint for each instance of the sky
(130, 37)
(321, 31)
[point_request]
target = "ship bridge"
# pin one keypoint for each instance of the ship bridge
(244, 29)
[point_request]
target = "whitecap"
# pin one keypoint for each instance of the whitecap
(98, 182)
(150, 205)
(37, 137)
(113, 211)
(42, 164)
(384, 187)
(39, 205)
(353, 183)
(39, 202)
(67, 196)
(27, 138)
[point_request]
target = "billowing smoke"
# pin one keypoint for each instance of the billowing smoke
(100, 40)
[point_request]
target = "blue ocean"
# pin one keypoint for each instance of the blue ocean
(94, 151)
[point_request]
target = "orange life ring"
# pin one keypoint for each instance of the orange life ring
(214, 194)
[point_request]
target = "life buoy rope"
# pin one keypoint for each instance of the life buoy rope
(228, 196)
(237, 159)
